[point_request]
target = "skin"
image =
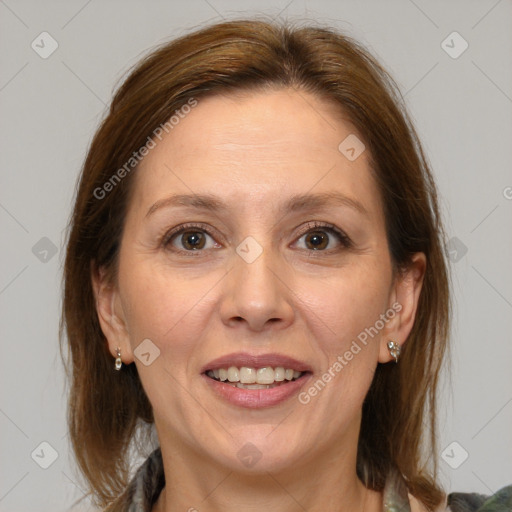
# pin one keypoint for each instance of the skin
(254, 151)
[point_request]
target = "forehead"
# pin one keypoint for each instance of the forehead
(258, 147)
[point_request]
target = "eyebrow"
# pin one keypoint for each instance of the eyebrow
(297, 202)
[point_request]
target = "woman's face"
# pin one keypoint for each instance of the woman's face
(253, 245)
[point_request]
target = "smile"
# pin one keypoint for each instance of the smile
(256, 381)
(254, 378)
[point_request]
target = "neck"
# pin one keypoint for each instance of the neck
(328, 484)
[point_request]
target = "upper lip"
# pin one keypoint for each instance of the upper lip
(240, 359)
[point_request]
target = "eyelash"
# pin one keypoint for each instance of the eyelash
(310, 226)
(329, 228)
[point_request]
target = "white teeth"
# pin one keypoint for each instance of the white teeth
(265, 375)
(253, 386)
(279, 374)
(250, 378)
(233, 374)
(248, 375)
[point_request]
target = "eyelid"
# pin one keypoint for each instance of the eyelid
(343, 238)
(199, 226)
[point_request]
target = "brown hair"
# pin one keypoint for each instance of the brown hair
(107, 409)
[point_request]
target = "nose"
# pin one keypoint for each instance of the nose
(256, 294)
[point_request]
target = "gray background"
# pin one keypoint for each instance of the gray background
(50, 108)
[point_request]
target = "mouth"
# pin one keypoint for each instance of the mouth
(245, 377)
(256, 381)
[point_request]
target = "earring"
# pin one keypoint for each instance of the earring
(394, 349)
(118, 359)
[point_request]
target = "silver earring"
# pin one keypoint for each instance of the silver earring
(394, 349)
(118, 359)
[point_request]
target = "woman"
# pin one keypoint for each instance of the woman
(255, 273)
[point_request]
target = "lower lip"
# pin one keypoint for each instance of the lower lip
(257, 398)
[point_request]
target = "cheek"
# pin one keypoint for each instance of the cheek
(172, 313)
(347, 304)
(169, 309)
(347, 338)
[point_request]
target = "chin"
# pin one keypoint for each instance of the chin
(256, 449)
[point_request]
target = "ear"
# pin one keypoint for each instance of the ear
(404, 297)
(110, 314)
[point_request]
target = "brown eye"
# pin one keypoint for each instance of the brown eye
(189, 239)
(323, 237)
(192, 240)
(317, 240)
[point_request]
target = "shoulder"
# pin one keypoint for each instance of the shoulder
(397, 497)
(501, 501)
(144, 487)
